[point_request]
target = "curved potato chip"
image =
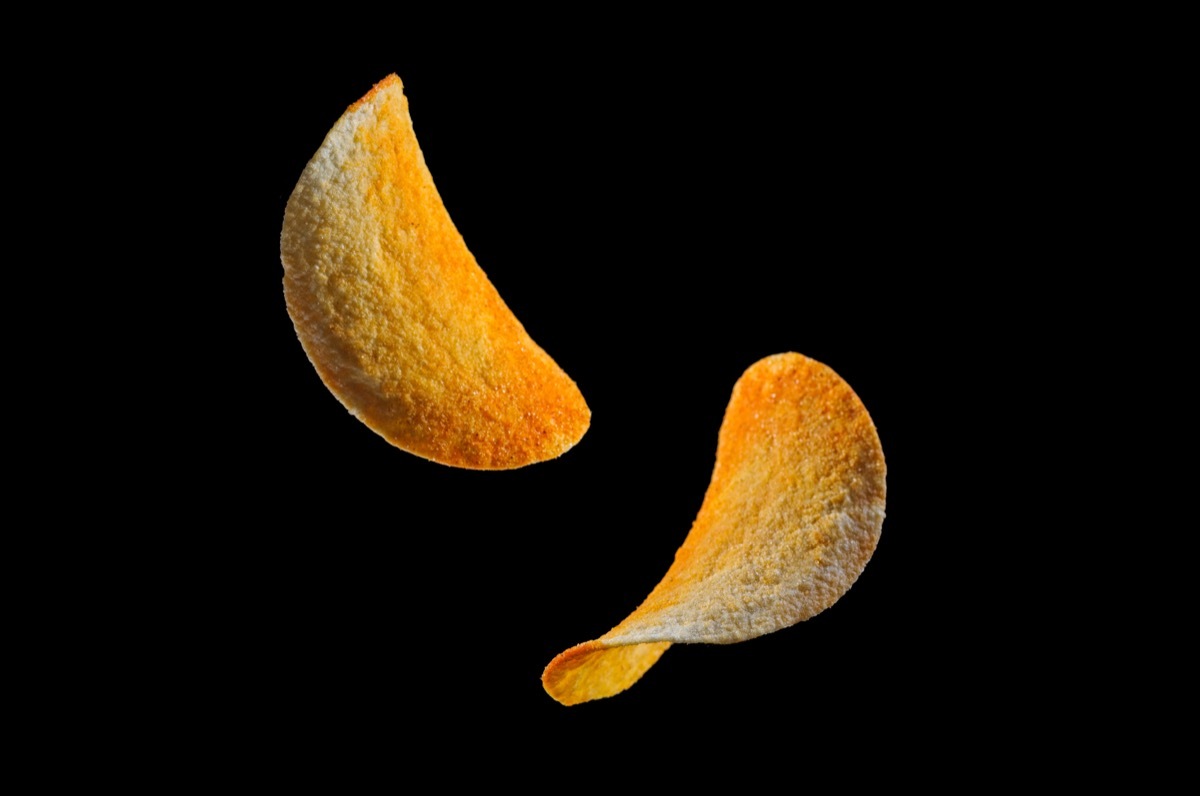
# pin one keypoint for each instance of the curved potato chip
(396, 316)
(791, 517)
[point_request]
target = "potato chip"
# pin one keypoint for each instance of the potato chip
(791, 517)
(396, 316)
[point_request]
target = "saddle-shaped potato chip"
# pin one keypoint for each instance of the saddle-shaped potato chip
(791, 517)
(396, 316)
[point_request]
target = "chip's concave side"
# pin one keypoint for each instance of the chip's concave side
(398, 319)
(790, 519)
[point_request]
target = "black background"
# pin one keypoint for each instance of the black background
(657, 226)
(960, 216)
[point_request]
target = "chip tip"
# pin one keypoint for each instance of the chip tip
(597, 670)
(391, 80)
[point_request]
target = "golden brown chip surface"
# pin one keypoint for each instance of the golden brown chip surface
(791, 517)
(396, 316)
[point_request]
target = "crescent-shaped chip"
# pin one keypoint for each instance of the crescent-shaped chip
(791, 517)
(398, 319)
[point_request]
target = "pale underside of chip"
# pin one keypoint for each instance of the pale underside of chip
(790, 519)
(398, 319)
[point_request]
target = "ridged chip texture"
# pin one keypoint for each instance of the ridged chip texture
(397, 317)
(790, 519)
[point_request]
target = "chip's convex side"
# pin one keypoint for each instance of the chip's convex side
(791, 517)
(398, 319)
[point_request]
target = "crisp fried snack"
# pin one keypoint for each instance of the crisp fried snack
(791, 517)
(399, 321)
